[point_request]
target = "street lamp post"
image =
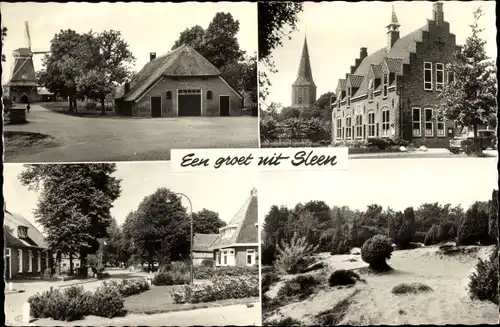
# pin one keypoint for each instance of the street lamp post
(191, 278)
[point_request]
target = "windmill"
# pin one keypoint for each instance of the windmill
(23, 83)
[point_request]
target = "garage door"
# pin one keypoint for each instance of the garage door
(189, 102)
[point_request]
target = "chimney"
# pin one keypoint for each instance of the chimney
(353, 69)
(363, 53)
(126, 88)
(437, 10)
(253, 192)
(152, 56)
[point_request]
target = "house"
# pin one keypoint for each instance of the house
(44, 95)
(393, 92)
(304, 88)
(237, 243)
(26, 253)
(201, 247)
(180, 83)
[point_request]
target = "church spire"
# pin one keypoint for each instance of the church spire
(394, 19)
(304, 75)
(392, 30)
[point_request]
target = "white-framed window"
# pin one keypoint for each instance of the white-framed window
(349, 90)
(359, 126)
(250, 257)
(371, 124)
(39, 261)
(450, 77)
(339, 128)
(439, 76)
(417, 122)
(30, 261)
(225, 257)
(20, 260)
(428, 76)
(429, 122)
(370, 89)
(385, 122)
(77, 265)
(385, 85)
(348, 127)
(440, 126)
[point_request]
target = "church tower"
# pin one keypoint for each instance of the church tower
(392, 30)
(304, 89)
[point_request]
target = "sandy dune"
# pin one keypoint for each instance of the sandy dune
(448, 303)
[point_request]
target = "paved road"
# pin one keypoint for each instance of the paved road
(125, 138)
(235, 315)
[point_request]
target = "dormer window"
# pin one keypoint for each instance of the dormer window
(22, 232)
(227, 231)
(349, 90)
(392, 78)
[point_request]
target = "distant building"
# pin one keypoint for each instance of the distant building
(26, 253)
(23, 84)
(44, 95)
(304, 88)
(237, 243)
(201, 247)
(393, 92)
(179, 83)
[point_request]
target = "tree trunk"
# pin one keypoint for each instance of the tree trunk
(75, 105)
(70, 265)
(477, 143)
(70, 102)
(83, 264)
(103, 106)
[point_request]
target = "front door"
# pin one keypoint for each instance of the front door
(155, 106)
(224, 105)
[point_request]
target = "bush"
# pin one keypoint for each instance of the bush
(91, 105)
(128, 287)
(402, 227)
(432, 235)
(268, 250)
(218, 288)
(343, 277)
(292, 256)
(73, 303)
(171, 277)
(483, 283)
(446, 232)
(473, 227)
(382, 144)
(493, 213)
(232, 271)
(405, 288)
(282, 321)
(376, 251)
(301, 286)
(419, 237)
(107, 302)
(268, 279)
(207, 262)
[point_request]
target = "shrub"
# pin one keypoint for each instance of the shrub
(73, 303)
(268, 279)
(207, 262)
(218, 288)
(292, 256)
(493, 213)
(405, 288)
(380, 143)
(376, 251)
(268, 250)
(127, 287)
(301, 286)
(107, 302)
(343, 277)
(419, 237)
(432, 235)
(402, 227)
(172, 277)
(483, 283)
(233, 271)
(446, 232)
(473, 227)
(91, 105)
(282, 321)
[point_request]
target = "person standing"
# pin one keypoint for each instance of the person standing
(28, 107)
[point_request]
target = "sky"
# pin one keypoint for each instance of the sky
(337, 30)
(224, 193)
(147, 27)
(397, 183)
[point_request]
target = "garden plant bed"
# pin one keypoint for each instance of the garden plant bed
(374, 303)
(159, 300)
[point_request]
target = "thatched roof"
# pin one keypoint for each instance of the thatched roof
(11, 223)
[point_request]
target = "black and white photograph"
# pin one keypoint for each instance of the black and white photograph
(415, 79)
(127, 81)
(129, 244)
(384, 243)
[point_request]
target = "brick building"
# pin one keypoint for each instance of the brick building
(304, 88)
(393, 92)
(179, 83)
(237, 243)
(26, 253)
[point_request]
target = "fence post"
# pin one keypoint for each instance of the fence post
(26, 313)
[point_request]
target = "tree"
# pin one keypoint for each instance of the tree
(277, 19)
(432, 236)
(470, 99)
(402, 227)
(473, 227)
(161, 228)
(74, 204)
(112, 244)
(193, 37)
(108, 66)
(4, 34)
(493, 213)
(207, 222)
(276, 224)
(127, 246)
(269, 129)
(323, 104)
(242, 75)
(288, 112)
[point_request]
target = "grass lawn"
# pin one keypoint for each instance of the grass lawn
(17, 141)
(62, 107)
(159, 300)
